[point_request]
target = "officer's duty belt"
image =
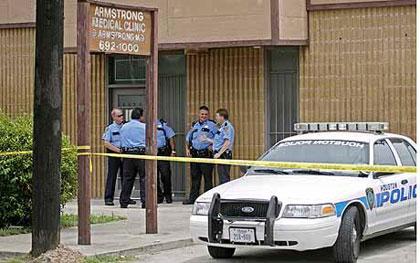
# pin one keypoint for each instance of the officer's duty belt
(135, 150)
(162, 151)
(225, 155)
(201, 153)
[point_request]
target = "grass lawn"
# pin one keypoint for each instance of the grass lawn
(4, 232)
(20, 259)
(66, 221)
(70, 220)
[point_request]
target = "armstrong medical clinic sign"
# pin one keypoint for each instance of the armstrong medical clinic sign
(119, 30)
(112, 28)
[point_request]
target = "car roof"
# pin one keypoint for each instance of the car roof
(365, 137)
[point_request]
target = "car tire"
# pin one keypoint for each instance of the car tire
(347, 247)
(221, 252)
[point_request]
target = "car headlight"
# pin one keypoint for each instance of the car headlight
(201, 209)
(309, 211)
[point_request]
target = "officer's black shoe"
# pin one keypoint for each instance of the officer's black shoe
(143, 205)
(160, 200)
(188, 202)
(131, 202)
(110, 203)
(123, 205)
(168, 199)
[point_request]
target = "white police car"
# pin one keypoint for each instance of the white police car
(303, 209)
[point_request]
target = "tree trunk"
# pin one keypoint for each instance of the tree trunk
(47, 125)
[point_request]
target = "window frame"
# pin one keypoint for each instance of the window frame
(415, 150)
(112, 82)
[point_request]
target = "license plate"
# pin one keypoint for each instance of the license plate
(242, 235)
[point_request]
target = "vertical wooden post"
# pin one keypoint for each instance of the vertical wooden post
(83, 120)
(151, 132)
(47, 126)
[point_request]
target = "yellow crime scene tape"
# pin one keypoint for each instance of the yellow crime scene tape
(268, 164)
(30, 152)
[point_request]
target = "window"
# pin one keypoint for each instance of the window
(320, 151)
(407, 155)
(127, 70)
(282, 97)
(382, 154)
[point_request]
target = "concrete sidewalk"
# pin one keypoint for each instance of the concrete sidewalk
(118, 238)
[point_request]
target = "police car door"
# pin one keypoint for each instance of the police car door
(407, 154)
(390, 189)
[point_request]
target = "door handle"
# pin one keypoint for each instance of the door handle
(405, 181)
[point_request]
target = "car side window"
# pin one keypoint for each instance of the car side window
(401, 146)
(382, 154)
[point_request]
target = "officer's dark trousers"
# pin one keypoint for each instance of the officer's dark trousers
(197, 171)
(130, 169)
(114, 164)
(164, 172)
(223, 171)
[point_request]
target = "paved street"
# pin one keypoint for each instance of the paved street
(398, 247)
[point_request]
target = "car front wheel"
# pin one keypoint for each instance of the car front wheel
(220, 252)
(347, 247)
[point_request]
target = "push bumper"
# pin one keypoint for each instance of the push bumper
(278, 233)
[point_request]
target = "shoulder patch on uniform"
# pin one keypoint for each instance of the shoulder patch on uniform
(194, 123)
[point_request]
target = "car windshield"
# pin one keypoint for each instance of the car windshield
(315, 151)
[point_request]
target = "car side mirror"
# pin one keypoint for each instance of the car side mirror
(244, 169)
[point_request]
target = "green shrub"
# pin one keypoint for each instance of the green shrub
(16, 171)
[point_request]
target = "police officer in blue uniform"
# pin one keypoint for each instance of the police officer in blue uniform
(166, 147)
(223, 144)
(112, 141)
(199, 146)
(133, 141)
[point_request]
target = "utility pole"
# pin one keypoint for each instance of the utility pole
(47, 125)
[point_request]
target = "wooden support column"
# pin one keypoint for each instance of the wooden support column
(151, 132)
(83, 120)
